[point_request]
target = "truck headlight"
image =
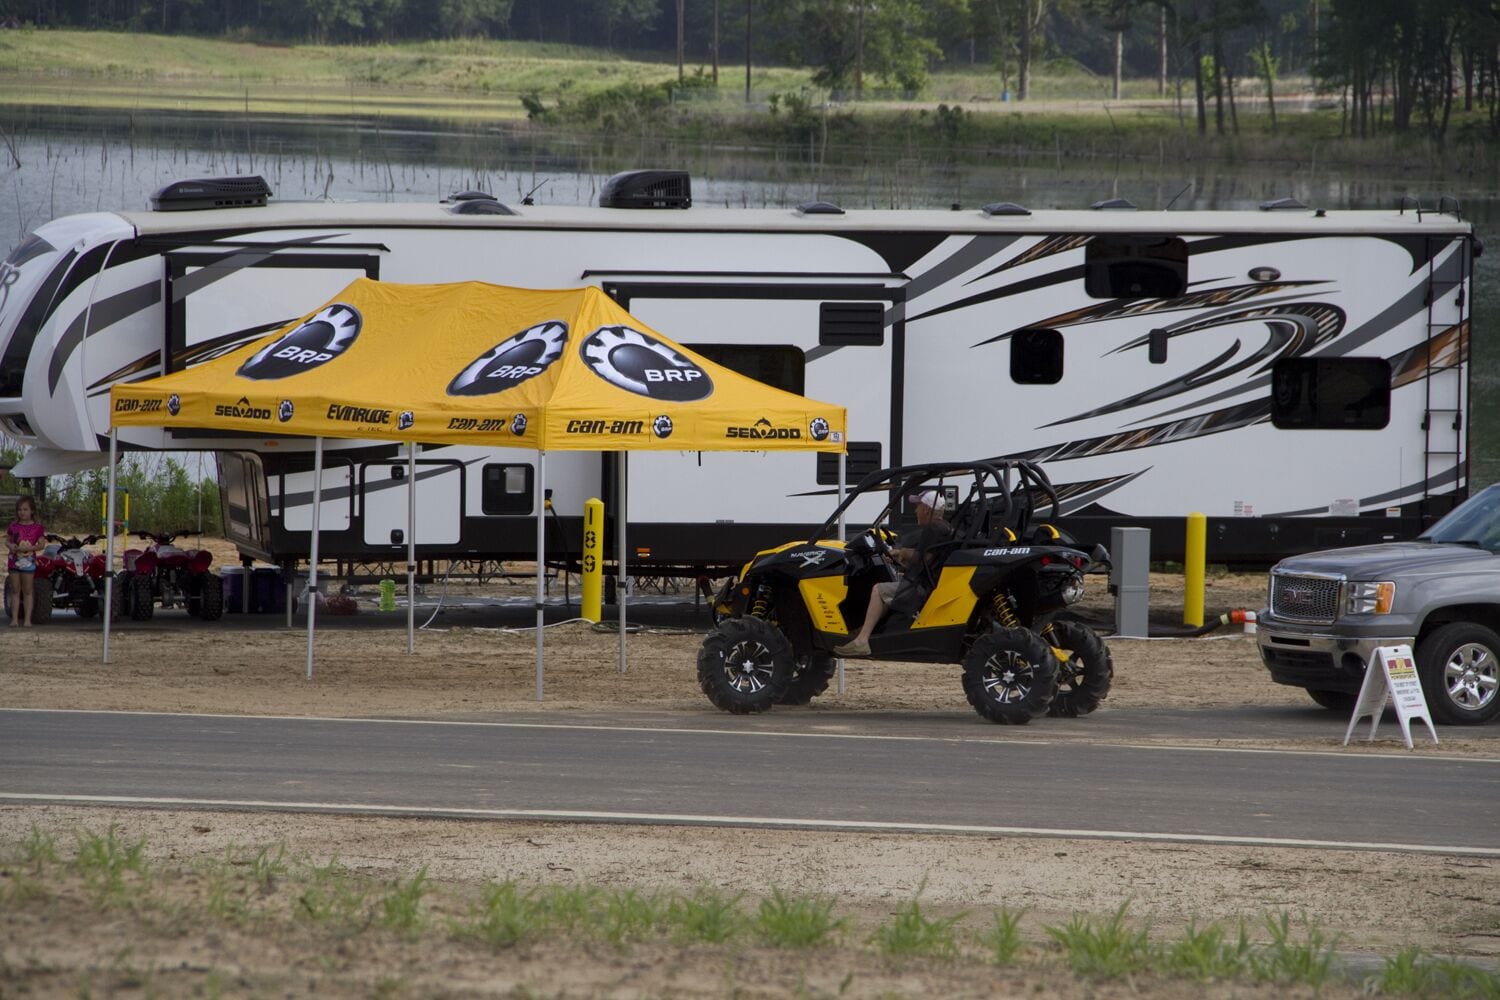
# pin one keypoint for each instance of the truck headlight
(1370, 598)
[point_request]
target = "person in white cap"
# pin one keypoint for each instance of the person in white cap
(913, 553)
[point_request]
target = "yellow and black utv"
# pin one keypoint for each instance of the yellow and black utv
(985, 592)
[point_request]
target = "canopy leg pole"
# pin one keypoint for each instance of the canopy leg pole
(843, 536)
(411, 548)
(312, 558)
(541, 545)
(622, 587)
(109, 541)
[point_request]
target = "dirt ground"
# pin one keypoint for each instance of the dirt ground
(1377, 904)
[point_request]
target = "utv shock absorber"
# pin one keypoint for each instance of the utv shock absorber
(760, 604)
(1005, 613)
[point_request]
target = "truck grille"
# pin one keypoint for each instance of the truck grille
(1305, 598)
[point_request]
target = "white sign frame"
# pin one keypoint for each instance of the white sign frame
(1391, 676)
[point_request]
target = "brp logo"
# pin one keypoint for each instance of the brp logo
(518, 424)
(512, 361)
(329, 333)
(662, 426)
(284, 410)
(818, 428)
(174, 404)
(643, 365)
(405, 419)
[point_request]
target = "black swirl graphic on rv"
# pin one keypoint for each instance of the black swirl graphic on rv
(518, 358)
(1228, 419)
(323, 336)
(1291, 330)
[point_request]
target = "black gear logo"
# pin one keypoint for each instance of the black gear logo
(174, 404)
(662, 426)
(324, 336)
(518, 424)
(637, 362)
(514, 360)
(818, 429)
(285, 410)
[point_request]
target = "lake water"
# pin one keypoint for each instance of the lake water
(85, 161)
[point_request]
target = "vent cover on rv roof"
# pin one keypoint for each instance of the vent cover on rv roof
(1114, 205)
(648, 189)
(211, 192)
(475, 203)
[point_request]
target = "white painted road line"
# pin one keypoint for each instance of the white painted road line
(682, 819)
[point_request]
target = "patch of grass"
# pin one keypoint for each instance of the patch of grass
(1413, 973)
(630, 915)
(104, 862)
(505, 915)
(910, 933)
(571, 908)
(38, 850)
(708, 915)
(1286, 959)
(1207, 954)
(796, 921)
(1003, 940)
(400, 910)
(1103, 948)
(332, 897)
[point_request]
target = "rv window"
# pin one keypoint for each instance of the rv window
(507, 489)
(1331, 393)
(1036, 357)
(778, 365)
(851, 324)
(1135, 267)
(864, 458)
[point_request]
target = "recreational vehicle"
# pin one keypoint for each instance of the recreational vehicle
(1300, 376)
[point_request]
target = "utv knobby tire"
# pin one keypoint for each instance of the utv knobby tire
(1334, 701)
(745, 665)
(1459, 665)
(41, 601)
(1083, 680)
(1010, 676)
(810, 679)
(141, 602)
(211, 598)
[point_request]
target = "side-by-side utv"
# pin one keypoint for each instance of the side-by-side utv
(986, 595)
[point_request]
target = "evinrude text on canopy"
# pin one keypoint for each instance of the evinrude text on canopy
(1300, 376)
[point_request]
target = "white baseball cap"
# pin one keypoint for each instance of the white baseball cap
(928, 498)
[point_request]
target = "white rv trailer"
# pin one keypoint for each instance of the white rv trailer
(1299, 376)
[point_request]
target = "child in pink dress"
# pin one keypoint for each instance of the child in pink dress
(24, 540)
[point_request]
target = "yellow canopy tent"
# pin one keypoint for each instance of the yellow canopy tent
(473, 363)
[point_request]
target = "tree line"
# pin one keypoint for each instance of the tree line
(1400, 64)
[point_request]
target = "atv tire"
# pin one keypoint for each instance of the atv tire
(810, 679)
(119, 598)
(41, 601)
(87, 607)
(211, 598)
(745, 665)
(1083, 679)
(1334, 701)
(1010, 676)
(142, 603)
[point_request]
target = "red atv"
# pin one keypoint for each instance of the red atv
(171, 576)
(75, 578)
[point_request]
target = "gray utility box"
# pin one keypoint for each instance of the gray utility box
(1130, 580)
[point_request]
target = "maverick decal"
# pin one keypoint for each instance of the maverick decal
(358, 414)
(762, 430)
(174, 404)
(242, 410)
(512, 361)
(662, 426)
(606, 427)
(639, 363)
(137, 406)
(284, 410)
(330, 332)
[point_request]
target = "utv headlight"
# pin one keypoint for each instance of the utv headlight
(1367, 598)
(1072, 590)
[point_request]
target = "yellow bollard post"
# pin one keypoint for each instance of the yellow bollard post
(1193, 560)
(593, 566)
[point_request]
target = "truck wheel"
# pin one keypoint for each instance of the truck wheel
(41, 601)
(211, 598)
(1010, 676)
(810, 679)
(1083, 679)
(1461, 673)
(745, 665)
(142, 602)
(1334, 701)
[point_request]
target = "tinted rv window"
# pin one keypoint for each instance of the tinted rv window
(864, 458)
(1036, 357)
(1135, 267)
(778, 365)
(507, 489)
(1331, 393)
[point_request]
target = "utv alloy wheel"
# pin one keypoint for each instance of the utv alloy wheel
(1460, 673)
(1085, 676)
(1010, 676)
(745, 665)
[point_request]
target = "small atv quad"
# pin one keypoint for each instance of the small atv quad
(988, 597)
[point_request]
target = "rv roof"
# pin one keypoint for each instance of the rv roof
(402, 214)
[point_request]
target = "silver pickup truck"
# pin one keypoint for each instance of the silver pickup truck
(1440, 594)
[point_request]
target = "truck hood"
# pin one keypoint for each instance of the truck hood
(1391, 560)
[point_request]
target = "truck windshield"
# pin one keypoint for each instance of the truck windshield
(1476, 521)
